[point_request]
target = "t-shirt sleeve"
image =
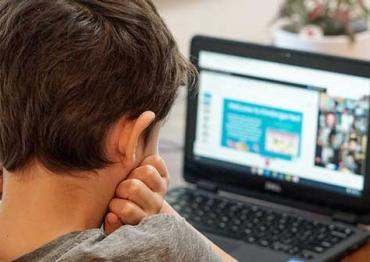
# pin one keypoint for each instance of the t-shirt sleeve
(160, 238)
(186, 244)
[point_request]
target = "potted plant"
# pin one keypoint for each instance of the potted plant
(337, 27)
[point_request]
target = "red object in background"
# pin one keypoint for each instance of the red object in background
(315, 13)
(343, 16)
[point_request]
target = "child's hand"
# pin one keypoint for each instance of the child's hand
(140, 195)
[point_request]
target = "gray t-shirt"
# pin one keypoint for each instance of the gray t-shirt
(157, 238)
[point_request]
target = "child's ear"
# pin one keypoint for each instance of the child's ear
(151, 147)
(131, 135)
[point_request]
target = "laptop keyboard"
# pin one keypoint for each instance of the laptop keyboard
(257, 225)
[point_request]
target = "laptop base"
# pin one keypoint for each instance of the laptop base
(248, 243)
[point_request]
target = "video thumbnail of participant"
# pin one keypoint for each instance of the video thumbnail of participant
(342, 134)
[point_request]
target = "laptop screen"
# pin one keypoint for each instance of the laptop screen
(283, 122)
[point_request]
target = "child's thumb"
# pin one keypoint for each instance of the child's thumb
(111, 223)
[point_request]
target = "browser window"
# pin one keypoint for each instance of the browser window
(284, 122)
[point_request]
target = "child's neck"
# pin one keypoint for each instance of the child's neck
(39, 206)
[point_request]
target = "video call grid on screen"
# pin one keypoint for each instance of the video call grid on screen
(286, 122)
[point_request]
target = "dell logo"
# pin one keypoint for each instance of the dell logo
(287, 55)
(273, 187)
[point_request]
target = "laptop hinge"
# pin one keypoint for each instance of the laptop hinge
(207, 185)
(345, 217)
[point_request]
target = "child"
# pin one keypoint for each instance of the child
(84, 87)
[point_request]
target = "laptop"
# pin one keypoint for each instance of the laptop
(277, 152)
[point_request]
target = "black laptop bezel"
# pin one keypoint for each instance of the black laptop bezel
(242, 183)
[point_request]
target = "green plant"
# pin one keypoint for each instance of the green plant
(334, 17)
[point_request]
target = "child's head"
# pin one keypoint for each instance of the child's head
(70, 70)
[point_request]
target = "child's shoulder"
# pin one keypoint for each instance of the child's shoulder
(168, 237)
(159, 238)
(155, 227)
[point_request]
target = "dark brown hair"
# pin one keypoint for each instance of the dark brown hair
(69, 69)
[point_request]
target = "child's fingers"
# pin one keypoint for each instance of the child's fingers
(159, 164)
(128, 212)
(150, 176)
(111, 223)
(139, 193)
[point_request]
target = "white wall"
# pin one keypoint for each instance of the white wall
(247, 20)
